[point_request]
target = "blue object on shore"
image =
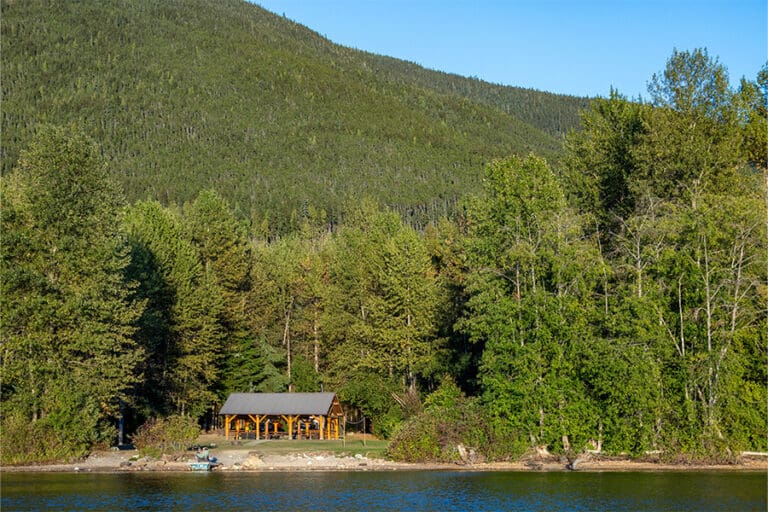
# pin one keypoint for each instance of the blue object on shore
(200, 466)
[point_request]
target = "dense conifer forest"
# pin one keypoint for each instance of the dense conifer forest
(603, 288)
(184, 95)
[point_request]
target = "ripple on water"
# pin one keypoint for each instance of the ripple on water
(395, 490)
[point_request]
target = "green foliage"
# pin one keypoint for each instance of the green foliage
(372, 395)
(692, 83)
(449, 420)
(69, 432)
(416, 441)
(752, 102)
(25, 442)
(686, 258)
(181, 329)
(384, 299)
(599, 159)
(267, 112)
(305, 379)
(166, 435)
(255, 366)
(552, 113)
(224, 252)
(619, 304)
(68, 313)
(530, 304)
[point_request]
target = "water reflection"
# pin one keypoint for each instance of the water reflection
(443, 490)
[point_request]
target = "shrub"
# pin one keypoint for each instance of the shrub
(66, 433)
(167, 435)
(372, 395)
(387, 424)
(416, 440)
(449, 419)
(27, 442)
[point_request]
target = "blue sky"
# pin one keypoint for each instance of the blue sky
(571, 47)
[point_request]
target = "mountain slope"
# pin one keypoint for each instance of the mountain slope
(555, 114)
(188, 94)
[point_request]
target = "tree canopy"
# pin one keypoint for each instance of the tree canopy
(615, 302)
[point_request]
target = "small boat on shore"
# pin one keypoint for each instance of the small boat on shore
(203, 461)
(201, 466)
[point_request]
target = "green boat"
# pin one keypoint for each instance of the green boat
(201, 466)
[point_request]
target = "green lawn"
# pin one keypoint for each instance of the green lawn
(369, 448)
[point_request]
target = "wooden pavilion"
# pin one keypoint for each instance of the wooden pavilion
(277, 415)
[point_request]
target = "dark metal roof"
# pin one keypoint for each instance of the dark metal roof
(281, 403)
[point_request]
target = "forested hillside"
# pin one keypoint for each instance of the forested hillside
(615, 303)
(556, 114)
(184, 95)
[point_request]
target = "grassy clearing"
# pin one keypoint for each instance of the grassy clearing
(350, 447)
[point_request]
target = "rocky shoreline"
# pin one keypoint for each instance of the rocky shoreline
(231, 460)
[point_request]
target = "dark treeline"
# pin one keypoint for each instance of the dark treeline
(616, 301)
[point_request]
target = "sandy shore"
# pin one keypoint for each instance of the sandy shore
(234, 460)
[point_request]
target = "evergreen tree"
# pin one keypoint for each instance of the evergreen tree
(69, 314)
(407, 320)
(181, 328)
(225, 253)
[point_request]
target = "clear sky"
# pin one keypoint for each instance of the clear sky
(564, 46)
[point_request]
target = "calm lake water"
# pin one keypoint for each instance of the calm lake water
(406, 490)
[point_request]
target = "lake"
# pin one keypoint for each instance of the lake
(393, 490)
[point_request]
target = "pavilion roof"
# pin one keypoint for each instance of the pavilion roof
(304, 404)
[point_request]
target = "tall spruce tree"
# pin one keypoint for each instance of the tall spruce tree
(225, 253)
(180, 328)
(407, 328)
(68, 313)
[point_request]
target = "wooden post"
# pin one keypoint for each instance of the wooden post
(290, 420)
(226, 426)
(322, 426)
(257, 420)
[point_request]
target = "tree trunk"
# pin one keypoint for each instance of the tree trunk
(316, 339)
(287, 339)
